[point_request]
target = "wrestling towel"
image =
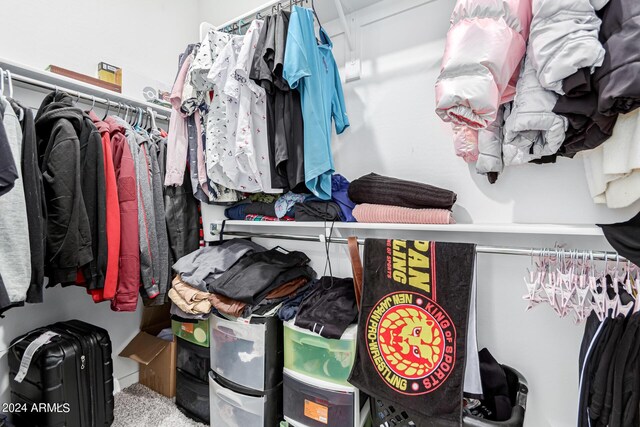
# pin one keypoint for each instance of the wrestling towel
(412, 328)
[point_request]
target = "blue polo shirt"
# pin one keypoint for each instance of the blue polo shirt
(309, 66)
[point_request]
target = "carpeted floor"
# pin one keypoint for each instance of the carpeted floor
(138, 406)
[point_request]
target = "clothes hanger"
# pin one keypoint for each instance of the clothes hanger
(9, 82)
(126, 114)
(1, 82)
(313, 8)
(106, 113)
(93, 103)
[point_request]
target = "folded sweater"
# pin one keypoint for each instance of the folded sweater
(382, 190)
(400, 215)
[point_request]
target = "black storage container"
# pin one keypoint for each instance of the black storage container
(192, 396)
(314, 403)
(193, 359)
(233, 408)
(72, 373)
(248, 354)
(384, 414)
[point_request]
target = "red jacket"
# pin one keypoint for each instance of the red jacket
(126, 296)
(113, 216)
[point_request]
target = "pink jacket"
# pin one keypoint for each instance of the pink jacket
(480, 66)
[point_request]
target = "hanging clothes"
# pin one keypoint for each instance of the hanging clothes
(149, 266)
(309, 67)
(215, 112)
(126, 296)
(68, 230)
(34, 193)
(15, 262)
(8, 168)
(480, 66)
(112, 220)
(94, 195)
(284, 108)
(593, 101)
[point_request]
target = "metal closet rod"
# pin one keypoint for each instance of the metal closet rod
(496, 250)
(267, 8)
(98, 100)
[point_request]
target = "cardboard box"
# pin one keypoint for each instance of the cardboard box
(157, 357)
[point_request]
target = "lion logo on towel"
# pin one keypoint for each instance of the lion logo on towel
(411, 341)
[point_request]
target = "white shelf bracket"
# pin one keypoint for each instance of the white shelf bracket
(345, 25)
(351, 35)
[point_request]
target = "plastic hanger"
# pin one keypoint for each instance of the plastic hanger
(313, 8)
(1, 82)
(93, 103)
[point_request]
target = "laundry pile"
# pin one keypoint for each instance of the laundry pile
(384, 199)
(240, 278)
(82, 203)
(552, 79)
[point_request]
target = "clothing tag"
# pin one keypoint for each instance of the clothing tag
(30, 351)
(316, 411)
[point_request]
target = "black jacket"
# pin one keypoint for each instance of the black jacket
(34, 194)
(95, 200)
(593, 101)
(68, 243)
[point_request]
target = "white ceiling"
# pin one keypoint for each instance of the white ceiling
(220, 11)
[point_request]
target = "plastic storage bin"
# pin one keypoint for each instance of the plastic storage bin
(193, 359)
(192, 396)
(231, 409)
(308, 402)
(384, 414)
(322, 358)
(247, 354)
(197, 333)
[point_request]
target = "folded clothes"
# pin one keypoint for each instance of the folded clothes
(262, 197)
(254, 217)
(278, 297)
(340, 195)
(237, 212)
(382, 190)
(227, 305)
(317, 211)
(208, 263)
(400, 215)
(261, 208)
(255, 275)
(287, 201)
(329, 308)
(197, 307)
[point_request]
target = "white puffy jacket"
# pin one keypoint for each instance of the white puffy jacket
(532, 130)
(564, 39)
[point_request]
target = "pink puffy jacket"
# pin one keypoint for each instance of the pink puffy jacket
(480, 66)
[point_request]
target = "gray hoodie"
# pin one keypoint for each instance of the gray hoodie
(15, 256)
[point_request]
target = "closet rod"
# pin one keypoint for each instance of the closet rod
(90, 98)
(495, 250)
(251, 14)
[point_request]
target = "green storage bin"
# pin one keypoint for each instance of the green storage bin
(321, 358)
(197, 333)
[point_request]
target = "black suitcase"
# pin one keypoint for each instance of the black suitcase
(70, 379)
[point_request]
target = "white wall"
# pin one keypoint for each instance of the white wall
(144, 37)
(394, 131)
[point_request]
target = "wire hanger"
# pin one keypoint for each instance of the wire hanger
(106, 113)
(9, 83)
